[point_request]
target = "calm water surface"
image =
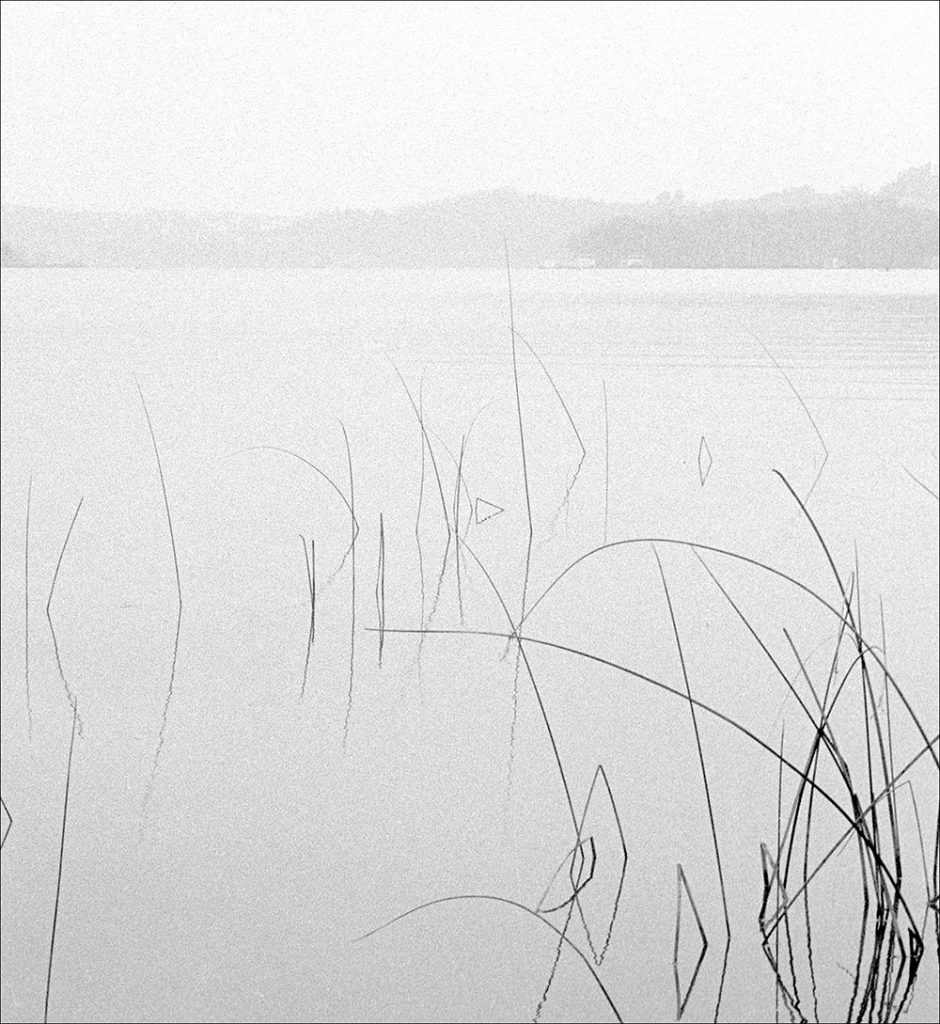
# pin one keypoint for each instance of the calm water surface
(231, 882)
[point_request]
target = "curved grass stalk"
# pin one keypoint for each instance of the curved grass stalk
(854, 822)
(701, 760)
(148, 793)
(746, 560)
(481, 897)
(324, 476)
(569, 487)
(70, 697)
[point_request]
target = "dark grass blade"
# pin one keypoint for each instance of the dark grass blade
(69, 695)
(569, 487)
(920, 483)
(855, 628)
(425, 432)
(58, 887)
(461, 476)
(7, 822)
(323, 476)
(310, 561)
(517, 906)
(29, 700)
(556, 960)
(705, 460)
(869, 650)
(576, 855)
(854, 829)
(530, 532)
(683, 995)
(457, 495)
(418, 510)
(772, 880)
(419, 415)
(522, 658)
(577, 861)
(352, 598)
(809, 416)
(179, 609)
(777, 887)
(600, 775)
(854, 819)
(606, 461)
(701, 759)
(380, 587)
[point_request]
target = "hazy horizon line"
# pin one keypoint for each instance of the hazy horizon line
(692, 200)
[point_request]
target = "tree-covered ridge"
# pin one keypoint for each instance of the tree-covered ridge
(895, 227)
(853, 231)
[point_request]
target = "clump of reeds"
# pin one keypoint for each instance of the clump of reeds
(891, 941)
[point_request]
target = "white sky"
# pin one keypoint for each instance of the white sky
(294, 107)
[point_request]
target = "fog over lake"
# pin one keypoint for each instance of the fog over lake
(469, 531)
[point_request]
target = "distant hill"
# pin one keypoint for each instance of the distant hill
(919, 187)
(9, 257)
(466, 231)
(896, 226)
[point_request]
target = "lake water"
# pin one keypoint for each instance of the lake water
(227, 877)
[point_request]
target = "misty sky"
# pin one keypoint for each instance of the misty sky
(295, 107)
